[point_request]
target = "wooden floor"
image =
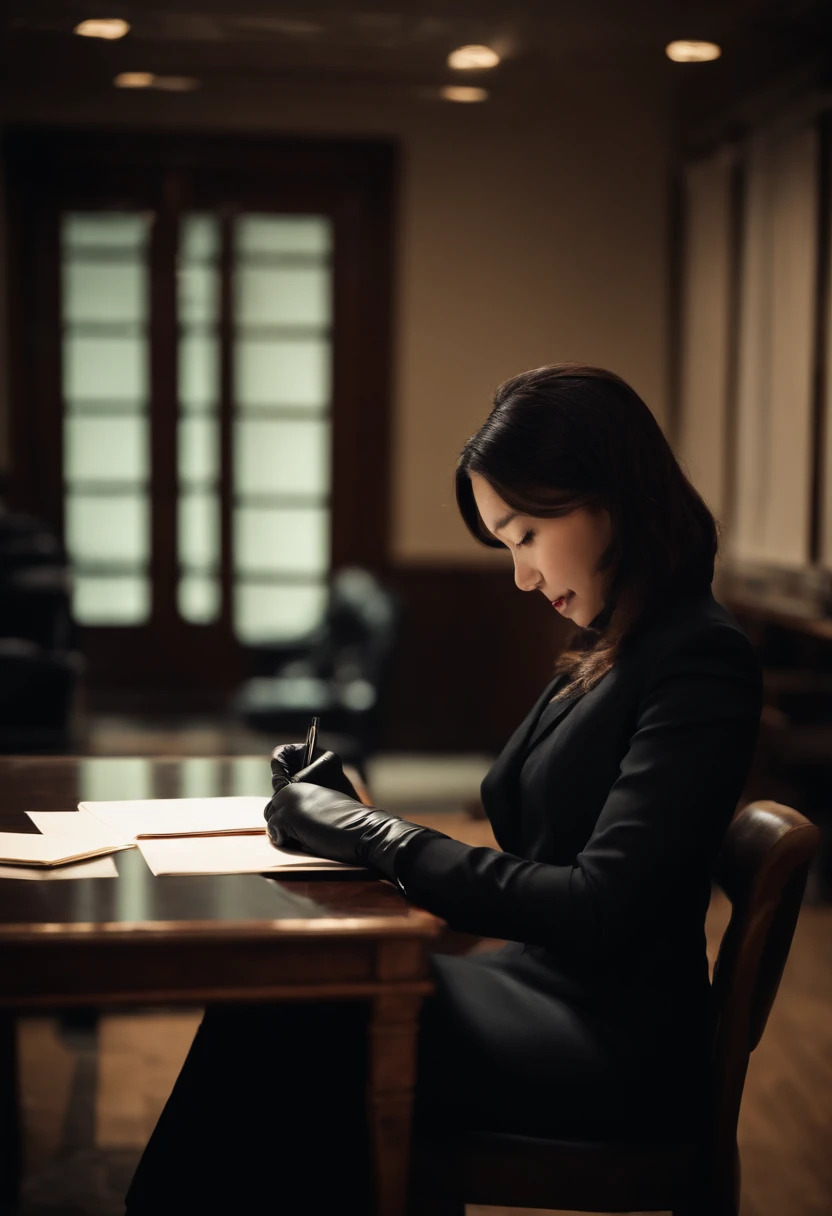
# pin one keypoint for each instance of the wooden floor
(89, 1112)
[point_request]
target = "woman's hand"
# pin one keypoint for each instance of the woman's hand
(329, 824)
(327, 770)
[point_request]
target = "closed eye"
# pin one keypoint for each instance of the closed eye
(525, 539)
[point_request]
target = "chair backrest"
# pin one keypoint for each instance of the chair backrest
(762, 868)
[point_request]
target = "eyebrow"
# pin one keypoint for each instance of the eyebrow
(501, 523)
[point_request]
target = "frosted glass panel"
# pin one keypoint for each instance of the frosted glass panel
(106, 229)
(199, 371)
(279, 295)
(308, 234)
(282, 372)
(287, 540)
(105, 528)
(105, 449)
(105, 369)
(199, 457)
(198, 289)
(199, 238)
(281, 457)
(111, 601)
(198, 435)
(199, 530)
(199, 598)
(277, 613)
(98, 291)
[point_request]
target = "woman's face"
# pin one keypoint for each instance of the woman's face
(555, 556)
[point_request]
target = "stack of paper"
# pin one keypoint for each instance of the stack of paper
(244, 854)
(154, 817)
(174, 835)
(203, 835)
(99, 867)
(87, 839)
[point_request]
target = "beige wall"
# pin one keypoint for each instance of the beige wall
(526, 236)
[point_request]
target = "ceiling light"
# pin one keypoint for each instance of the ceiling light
(103, 27)
(692, 51)
(470, 58)
(458, 92)
(134, 80)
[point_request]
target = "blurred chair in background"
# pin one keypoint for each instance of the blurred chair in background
(39, 659)
(340, 671)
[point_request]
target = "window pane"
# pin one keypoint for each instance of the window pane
(199, 598)
(277, 613)
(108, 528)
(199, 238)
(104, 294)
(199, 530)
(199, 457)
(198, 290)
(100, 292)
(198, 435)
(281, 457)
(282, 372)
(105, 369)
(111, 601)
(308, 234)
(199, 371)
(105, 449)
(290, 539)
(280, 295)
(106, 229)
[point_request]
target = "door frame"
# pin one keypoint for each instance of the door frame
(355, 182)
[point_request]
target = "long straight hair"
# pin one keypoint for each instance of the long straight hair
(568, 436)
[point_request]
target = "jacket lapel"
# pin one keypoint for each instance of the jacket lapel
(550, 717)
(499, 787)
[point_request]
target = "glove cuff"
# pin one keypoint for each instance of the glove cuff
(383, 839)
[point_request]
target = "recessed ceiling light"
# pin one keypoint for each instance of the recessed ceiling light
(470, 58)
(458, 92)
(692, 51)
(134, 80)
(103, 27)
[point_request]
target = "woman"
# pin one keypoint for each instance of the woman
(609, 804)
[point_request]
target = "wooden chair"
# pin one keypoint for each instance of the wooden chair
(762, 869)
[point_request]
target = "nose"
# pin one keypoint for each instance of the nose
(525, 576)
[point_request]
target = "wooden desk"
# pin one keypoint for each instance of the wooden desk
(139, 940)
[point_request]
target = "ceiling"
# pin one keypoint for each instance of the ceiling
(390, 48)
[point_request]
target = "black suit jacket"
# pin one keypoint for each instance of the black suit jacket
(610, 809)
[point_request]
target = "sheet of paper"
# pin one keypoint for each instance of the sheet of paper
(227, 855)
(54, 850)
(99, 867)
(74, 823)
(152, 817)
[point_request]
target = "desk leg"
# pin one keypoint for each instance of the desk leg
(394, 1025)
(9, 1123)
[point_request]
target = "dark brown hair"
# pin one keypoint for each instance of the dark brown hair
(569, 436)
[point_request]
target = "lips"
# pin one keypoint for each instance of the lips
(561, 600)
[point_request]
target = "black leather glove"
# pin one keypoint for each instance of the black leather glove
(326, 770)
(329, 824)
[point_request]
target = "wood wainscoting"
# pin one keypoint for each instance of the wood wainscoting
(473, 654)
